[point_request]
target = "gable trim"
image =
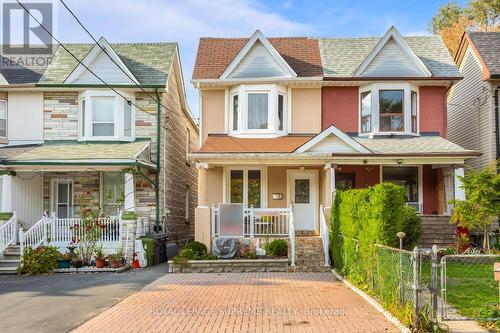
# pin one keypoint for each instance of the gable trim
(96, 50)
(401, 42)
(257, 36)
(332, 130)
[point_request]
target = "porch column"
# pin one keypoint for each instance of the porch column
(459, 192)
(330, 173)
(129, 203)
(202, 185)
(448, 189)
(6, 193)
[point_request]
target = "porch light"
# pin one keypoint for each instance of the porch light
(400, 162)
(401, 235)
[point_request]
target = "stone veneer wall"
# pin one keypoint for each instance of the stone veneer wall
(60, 115)
(82, 182)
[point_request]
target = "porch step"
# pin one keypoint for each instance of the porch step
(305, 233)
(309, 255)
(8, 270)
(9, 263)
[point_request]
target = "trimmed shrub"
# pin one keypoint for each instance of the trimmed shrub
(277, 247)
(198, 248)
(5, 216)
(411, 224)
(39, 261)
(129, 216)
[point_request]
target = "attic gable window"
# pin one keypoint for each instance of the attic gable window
(388, 108)
(257, 110)
(105, 116)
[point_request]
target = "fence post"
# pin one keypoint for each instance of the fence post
(416, 270)
(434, 268)
(21, 241)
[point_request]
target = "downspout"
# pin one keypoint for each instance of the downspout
(497, 124)
(157, 227)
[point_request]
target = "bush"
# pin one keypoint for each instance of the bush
(277, 247)
(411, 224)
(129, 216)
(5, 216)
(39, 261)
(199, 248)
(184, 256)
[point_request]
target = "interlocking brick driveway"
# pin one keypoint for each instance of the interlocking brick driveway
(242, 302)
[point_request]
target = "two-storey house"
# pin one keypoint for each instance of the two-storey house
(473, 107)
(113, 126)
(287, 121)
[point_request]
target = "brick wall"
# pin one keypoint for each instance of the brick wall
(60, 115)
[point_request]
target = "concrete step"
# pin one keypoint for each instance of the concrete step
(305, 233)
(11, 255)
(8, 270)
(9, 263)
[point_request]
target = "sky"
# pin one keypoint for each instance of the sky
(185, 21)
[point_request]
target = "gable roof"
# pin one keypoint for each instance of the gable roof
(102, 50)
(258, 39)
(393, 39)
(487, 47)
(148, 62)
(20, 69)
(342, 56)
(332, 146)
(215, 54)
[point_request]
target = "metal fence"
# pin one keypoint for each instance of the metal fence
(468, 287)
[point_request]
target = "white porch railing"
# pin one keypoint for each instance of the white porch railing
(35, 236)
(325, 235)
(62, 232)
(8, 232)
(292, 238)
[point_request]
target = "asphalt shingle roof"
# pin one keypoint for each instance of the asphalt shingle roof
(488, 46)
(149, 62)
(342, 56)
(68, 151)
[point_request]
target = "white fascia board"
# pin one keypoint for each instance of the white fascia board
(3, 81)
(96, 50)
(338, 133)
(257, 36)
(402, 43)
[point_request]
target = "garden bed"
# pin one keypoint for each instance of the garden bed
(229, 266)
(91, 269)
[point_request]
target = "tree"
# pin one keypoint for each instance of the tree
(452, 20)
(482, 204)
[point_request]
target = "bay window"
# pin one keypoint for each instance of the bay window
(3, 119)
(257, 110)
(388, 108)
(105, 116)
(245, 186)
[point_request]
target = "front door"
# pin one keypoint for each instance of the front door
(63, 198)
(302, 194)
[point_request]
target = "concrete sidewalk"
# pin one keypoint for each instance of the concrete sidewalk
(59, 302)
(242, 302)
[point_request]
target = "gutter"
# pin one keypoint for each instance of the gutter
(157, 227)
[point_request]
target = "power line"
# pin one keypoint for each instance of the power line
(113, 60)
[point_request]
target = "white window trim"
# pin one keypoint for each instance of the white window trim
(6, 118)
(54, 196)
(227, 184)
(119, 112)
(273, 91)
(374, 88)
(419, 181)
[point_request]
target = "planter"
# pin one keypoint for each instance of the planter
(229, 266)
(100, 263)
(63, 263)
(77, 263)
(116, 263)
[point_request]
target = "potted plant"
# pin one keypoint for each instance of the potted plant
(64, 260)
(77, 259)
(116, 260)
(100, 259)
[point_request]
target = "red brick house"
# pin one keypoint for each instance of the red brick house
(287, 121)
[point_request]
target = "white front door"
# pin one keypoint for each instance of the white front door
(62, 200)
(302, 194)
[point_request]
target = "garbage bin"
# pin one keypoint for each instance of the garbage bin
(149, 246)
(160, 253)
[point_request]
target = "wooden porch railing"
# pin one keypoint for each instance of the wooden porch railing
(8, 232)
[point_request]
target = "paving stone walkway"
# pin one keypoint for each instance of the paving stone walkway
(242, 302)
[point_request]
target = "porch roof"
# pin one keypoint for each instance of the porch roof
(288, 146)
(77, 153)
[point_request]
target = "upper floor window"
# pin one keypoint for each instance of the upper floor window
(104, 115)
(257, 109)
(3, 119)
(388, 108)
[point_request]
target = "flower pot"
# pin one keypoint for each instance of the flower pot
(63, 263)
(116, 263)
(77, 263)
(100, 263)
